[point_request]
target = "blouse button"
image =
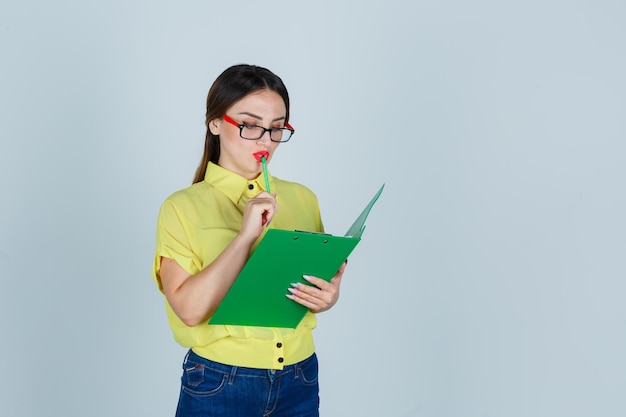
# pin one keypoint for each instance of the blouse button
(279, 345)
(250, 186)
(280, 360)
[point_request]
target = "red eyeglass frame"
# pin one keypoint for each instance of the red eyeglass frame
(239, 125)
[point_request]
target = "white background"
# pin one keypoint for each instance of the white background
(490, 281)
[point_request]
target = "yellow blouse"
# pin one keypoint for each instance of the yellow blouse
(195, 225)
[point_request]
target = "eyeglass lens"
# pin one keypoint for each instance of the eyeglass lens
(256, 132)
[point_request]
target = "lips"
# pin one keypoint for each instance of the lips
(260, 155)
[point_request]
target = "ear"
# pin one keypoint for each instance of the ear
(214, 126)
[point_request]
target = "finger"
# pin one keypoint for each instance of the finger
(314, 295)
(305, 291)
(337, 278)
(303, 302)
(269, 196)
(266, 218)
(257, 215)
(318, 282)
(305, 299)
(267, 207)
(312, 292)
(264, 207)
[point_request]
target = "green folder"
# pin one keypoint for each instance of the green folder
(257, 297)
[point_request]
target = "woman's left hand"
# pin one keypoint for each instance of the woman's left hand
(321, 295)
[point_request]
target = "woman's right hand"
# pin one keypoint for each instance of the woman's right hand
(195, 297)
(258, 214)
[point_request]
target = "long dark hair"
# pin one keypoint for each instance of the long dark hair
(231, 86)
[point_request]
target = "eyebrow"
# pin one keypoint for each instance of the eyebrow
(259, 117)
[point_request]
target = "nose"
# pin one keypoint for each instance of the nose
(265, 136)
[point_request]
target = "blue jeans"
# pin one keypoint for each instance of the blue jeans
(213, 389)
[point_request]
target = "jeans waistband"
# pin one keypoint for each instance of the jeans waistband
(192, 359)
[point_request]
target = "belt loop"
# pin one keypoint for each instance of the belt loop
(231, 377)
(296, 370)
(186, 357)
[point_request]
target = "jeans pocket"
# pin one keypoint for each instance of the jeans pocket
(194, 374)
(201, 380)
(308, 371)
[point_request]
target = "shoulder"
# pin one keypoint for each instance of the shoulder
(186, 199)
(294, 188)
(187, 194)
(298, 207)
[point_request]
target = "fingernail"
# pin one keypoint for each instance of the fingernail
(292, 290)
(308, 278)
(295, 284)
(291, 297)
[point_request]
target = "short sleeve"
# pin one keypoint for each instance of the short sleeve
(172, 241)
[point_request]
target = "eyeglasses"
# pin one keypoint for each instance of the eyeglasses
(254, 132)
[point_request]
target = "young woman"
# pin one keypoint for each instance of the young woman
(205, 234)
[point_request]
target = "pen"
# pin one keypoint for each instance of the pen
(267, 180)
(261, 156)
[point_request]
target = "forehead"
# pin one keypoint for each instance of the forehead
(262, 103)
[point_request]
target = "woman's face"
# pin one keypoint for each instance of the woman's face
(262, 108)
